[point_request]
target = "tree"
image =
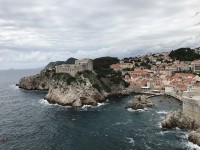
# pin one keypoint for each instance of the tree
(184, 54)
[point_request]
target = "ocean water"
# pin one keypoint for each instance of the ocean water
(27, 122)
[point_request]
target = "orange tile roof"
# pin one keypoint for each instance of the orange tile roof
(196, 61)
(139, 72)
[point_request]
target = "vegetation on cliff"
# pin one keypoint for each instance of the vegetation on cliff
(103, 78)
(87, 87)
(106, 76)
(104, 62)
(184, 54)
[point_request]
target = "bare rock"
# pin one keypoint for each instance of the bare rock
(141, 101)
(194, 137)
(64, 89)
(34, 83)
(137, 105)
(74, 95)
(178, 119)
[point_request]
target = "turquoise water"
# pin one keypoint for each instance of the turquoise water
(29, 122)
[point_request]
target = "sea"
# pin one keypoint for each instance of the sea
(28, 122)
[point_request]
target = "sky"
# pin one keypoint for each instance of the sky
(35, 32)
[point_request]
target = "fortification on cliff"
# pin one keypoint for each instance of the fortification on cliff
(72, 69)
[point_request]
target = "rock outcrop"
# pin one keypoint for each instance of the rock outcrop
(194, 137)
(145, 100)
(178, 119)
(137, 105)
(74, 95)
(76, 91)
(35, 82)
(141, 101)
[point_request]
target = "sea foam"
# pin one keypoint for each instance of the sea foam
(13, 86)
(131, 141)
(162, 112)
(86, 107)
(46, 103)
(191, 146)
(132, 110)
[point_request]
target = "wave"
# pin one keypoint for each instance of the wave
(191, 146)
(159, 125)
(131, 141)
(132, 110)
(46, 103)
(162, 132)
(13, 86)
(162, 112)
(101, 104)
(87, 107)
(188, 145)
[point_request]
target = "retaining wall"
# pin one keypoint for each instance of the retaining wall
(191, 108)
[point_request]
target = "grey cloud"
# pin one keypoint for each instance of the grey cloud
(88, 28)
(197, 13)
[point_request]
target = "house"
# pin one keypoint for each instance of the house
(169, 89)
(139, 73)
(196, 66)
(121, 66)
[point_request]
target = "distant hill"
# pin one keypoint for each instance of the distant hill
(71, 61)
(51, 65)
(184, 54)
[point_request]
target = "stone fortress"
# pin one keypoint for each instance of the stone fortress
(72, 69)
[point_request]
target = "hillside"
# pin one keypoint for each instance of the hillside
(184, 54)
(87, 87)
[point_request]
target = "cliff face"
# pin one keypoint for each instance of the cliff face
(64, 89)
(194, 137)
(34, 82)
(178, 119)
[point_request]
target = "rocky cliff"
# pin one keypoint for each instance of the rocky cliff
(63, 89)
(178, 119)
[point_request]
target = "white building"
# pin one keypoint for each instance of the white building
(196, 66)
(169, 89)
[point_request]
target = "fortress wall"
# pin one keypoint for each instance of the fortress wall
(72, 69)
(191, 108)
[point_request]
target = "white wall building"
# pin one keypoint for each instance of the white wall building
(196, 66)
(169, 89)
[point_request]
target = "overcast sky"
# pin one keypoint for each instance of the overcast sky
(35, 32)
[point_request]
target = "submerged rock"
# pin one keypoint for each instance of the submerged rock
(3, 139)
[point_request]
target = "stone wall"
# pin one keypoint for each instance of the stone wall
(72, 69)
(191, 108)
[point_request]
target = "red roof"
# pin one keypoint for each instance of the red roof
(139, 72)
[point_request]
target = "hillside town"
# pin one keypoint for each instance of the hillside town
(159, 73)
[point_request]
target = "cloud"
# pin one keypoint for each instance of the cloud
(34, 32)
